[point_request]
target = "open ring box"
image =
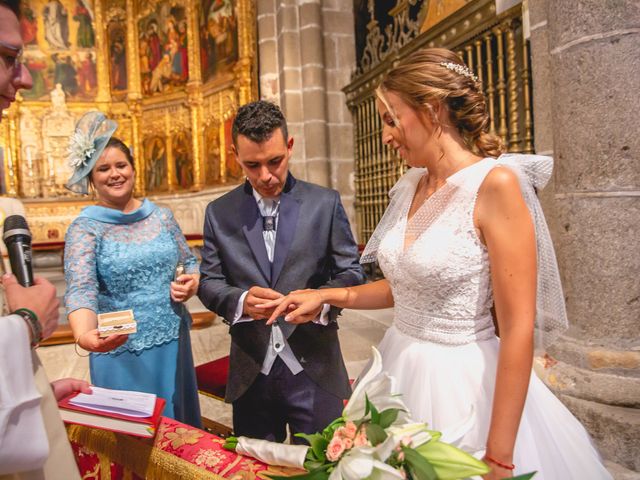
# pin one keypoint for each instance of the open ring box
(116, 323)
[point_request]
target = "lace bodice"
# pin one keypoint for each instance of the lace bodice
(441, 281)
(110, 267)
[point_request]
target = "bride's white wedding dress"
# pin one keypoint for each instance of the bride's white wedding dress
(442, 349)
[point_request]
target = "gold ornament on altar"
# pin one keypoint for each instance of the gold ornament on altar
(165, 70)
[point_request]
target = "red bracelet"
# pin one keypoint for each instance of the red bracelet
(506, 466)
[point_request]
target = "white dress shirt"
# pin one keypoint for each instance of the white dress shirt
(23, 438)
(278, 345)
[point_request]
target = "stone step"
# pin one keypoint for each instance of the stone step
(621, 473)
(615, 430)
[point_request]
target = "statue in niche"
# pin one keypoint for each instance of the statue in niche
(83, 15)
(183, 164)
(58, 99)
(57, 126)
(212, 154)
(156, 160)
(31, 147)
(56, 25)
(234, 171)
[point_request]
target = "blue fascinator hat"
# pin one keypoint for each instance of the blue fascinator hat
(87, 143)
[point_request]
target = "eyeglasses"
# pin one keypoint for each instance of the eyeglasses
(14, 59)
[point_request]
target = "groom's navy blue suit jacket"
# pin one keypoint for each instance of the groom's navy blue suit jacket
(314, 249)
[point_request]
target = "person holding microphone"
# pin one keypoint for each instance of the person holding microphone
(33, 441)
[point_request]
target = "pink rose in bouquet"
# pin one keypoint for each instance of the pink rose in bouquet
(336, 448)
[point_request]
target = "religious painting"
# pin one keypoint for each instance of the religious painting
(212, 154)
(85, 36)
(218, 24)
(182, 160)
(38, 65)
(65, 73)
(155, 154)
(164, 63)
(234, 171)
(59, 39)
(116, 38)
(76, 74)
(56, 25)
(86, 74)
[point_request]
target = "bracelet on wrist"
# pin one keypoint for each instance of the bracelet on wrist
(34, 325)
(506, 466)
(77, 344)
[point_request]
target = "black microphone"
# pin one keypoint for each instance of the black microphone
(17, 238)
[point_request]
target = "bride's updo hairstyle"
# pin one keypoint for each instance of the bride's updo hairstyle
(437, 75)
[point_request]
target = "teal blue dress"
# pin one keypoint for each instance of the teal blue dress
(120, 261)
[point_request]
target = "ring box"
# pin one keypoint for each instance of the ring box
(116, 323)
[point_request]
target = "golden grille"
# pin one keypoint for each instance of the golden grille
(494, 48)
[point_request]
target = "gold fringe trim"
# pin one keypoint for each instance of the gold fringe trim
(136, 455)
(105, 466)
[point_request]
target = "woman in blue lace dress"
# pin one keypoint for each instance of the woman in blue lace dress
(121, 254)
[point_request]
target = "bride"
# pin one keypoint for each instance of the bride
(464, 232)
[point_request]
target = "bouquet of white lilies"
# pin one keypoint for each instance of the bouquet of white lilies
(373, 439)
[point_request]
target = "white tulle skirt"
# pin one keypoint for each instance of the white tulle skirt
(445, 385)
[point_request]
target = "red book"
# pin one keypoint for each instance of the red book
(139, 426)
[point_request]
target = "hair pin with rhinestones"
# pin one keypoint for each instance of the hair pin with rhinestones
(460, 69)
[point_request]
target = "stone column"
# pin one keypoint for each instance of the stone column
(340, 63)
(307, 53)
(585, 76)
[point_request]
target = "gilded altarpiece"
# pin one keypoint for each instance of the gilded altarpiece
(172, 73)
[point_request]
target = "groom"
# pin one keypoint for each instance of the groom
(266, 238)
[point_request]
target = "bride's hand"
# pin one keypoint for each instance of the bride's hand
(302, 306)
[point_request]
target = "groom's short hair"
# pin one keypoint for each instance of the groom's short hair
(257, 121)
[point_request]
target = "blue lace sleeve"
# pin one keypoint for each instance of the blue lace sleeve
(80, 266)
(187, 258)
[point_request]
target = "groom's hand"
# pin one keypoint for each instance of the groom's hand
(258, 296)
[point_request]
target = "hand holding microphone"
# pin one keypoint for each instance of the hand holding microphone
(40, 296)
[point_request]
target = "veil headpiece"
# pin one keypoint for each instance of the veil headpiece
(87, 143)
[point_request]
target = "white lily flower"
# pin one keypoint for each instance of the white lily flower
(360, 463)
(420, 439)
(376, 385)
